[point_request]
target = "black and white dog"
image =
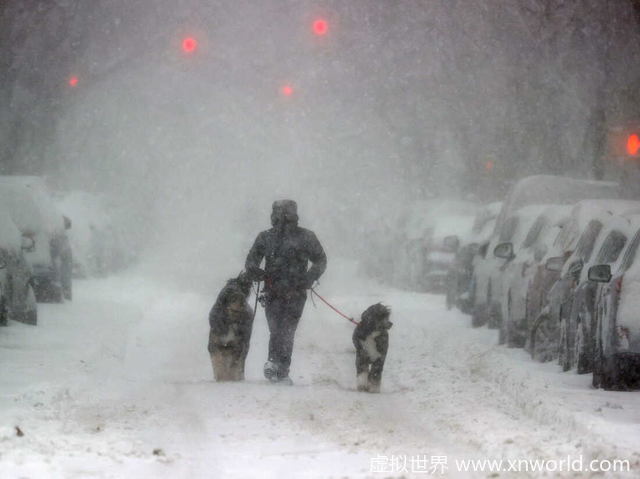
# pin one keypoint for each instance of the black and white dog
(371, 339)
(231, 321)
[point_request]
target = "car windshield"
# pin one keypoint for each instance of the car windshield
(611, 247)
(587, 240)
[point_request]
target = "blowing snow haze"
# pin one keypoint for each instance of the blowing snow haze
(394, 102)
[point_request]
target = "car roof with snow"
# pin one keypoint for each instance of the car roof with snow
(552, 189)
(440, 218)
(523, 220)
(10, 238)
(30, 205)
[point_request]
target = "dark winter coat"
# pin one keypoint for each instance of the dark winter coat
(287, 251)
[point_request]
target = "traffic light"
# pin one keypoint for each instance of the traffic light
(73, 81)
(633, 145)
(189, 44)
(287, 90)
(320, 27)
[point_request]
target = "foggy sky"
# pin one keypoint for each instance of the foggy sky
(401, 100)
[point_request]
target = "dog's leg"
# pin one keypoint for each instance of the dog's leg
(362, 371)
(217, 361)
(237, 366)
(375, 375)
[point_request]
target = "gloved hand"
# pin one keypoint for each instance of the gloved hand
(257, 274)
(309, 282)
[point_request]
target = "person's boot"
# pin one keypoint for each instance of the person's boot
(283, 378)
(271, 371)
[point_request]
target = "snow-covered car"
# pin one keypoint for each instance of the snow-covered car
(616, 359)
(577, 318)
(562, 248)
(487, 275)
(422, 254)
(520, 268)
(100, 237)
(552, 335)
(558, 190)
(461, 271)
(17, 300)
(33, 211)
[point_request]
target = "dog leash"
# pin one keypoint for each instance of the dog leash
(257, 292)
(327, 303)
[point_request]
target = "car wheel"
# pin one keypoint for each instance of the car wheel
(581, 353)
(48, 292)
(3, 311)
(608, 374)
(545, 345)
(563, 351)
(479, 316)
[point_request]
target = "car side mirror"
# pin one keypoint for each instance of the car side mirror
(67, 222)
(600, 273)
(452, 243)
(576, 268)
(504, 251)
(555, 264)
(28, 244)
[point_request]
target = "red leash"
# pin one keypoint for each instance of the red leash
(327, 303)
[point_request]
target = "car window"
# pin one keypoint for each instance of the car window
(587, 240)
(566, 235)
(508, 229)
(611, 247)
(630, 255)
(534, 232)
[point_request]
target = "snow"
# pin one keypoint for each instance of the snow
(549, 189)
(30, 204)
(9, 234)
(123, 370)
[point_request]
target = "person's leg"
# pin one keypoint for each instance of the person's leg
(273, 312)
(290, 319)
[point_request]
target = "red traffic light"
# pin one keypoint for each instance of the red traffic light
(189, 44)
(320, 27)
(287, 90)
(73, 81)
(633, 145)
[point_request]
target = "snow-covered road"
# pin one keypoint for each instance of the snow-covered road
(123, 370)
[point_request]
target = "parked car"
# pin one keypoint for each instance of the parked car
(561, 249)
(617, 325)
(100, 239)
(422, 252)
(559, 190)
(32, 209)
(460, 273)
(535, 190)
(577, 314)
(553, 331)
(488, 270)
(520, 268)
(17, 300)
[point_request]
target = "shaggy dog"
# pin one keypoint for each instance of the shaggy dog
(371, 339)
(231, 321)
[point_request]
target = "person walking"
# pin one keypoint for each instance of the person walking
(287, 250)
